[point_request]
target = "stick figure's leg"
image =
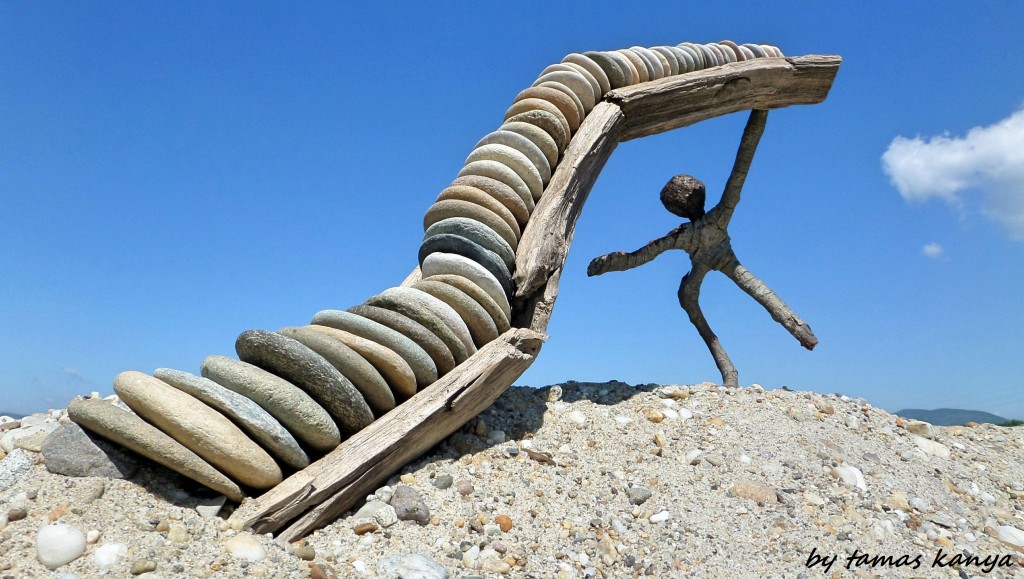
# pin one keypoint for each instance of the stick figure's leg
(764, 295)
(689, 294)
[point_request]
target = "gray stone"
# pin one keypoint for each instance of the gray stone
(524, 146)
(477, 233)
(756, 49)
(736, 52)
(250, 416)
(566, 103)
(653, 63)
(452, 243)
(14, 466)
(541, 106)
(296, 410)
(396, 371)
(442, 481)
(501, 172)
(480, 324)
(425, 317)
(130, 431)
(548, 122)
(639, 67)
(411, 566)
(696, 53)
(415, 357)
(71, 451)
(409, 506)
(482, 298)
(514, 160)
(447, 314)
(366, 379)
(28, 437)
(595, 70)
(474, 195)
(499, 191)
(293, 361)
(611, 68)
(638, 495)
(669, 58)
(450, 208)
(685, 59)
(423, 337)
(442, 263)
(538, 137)
(200, 428)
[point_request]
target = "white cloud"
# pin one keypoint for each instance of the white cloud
(933, 250)
(989, 160)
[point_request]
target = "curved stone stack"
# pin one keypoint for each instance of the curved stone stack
(298, 392)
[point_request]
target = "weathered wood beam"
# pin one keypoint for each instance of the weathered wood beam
(763, 83)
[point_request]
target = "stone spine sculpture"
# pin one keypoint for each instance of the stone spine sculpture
(297, 393)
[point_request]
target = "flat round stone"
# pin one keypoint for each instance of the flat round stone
(357, 369)
(266, 430)
(696, 53)
(617, 78)
(653, 63)
(394, 368)
(478, 233)
(440, 263)
(450, 243)
(575, 81)
(725, 54)
(563, 101)
(737, 53)
(500, 192)
(538, 137)
(444, 311)
(551, 124)
(603, 83)
(503, 173)
(756, 49)
(640, 72)
(687, 62)
(669, 58)
(480, 324)
(426, 318)
(775, 49)
(482, 298)
(293, 361)
(415, 357)
(524, 146)
(527, 105)
(595, 86)
(577, 104)
(627, 66)
(710, 56)
(449, 208)
(514, 160)
(200, 428)
(474, 195)
(296, 410)
(747, 53)
(423, 337)
(128, 430)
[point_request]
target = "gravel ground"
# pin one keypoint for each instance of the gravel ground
(588, 480)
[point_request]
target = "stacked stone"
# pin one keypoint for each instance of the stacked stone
(299, 391)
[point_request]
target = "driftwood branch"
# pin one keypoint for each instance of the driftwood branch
(707, 241)
(318, 494)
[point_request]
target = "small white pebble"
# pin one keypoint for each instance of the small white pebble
(92, 536)
(109, 555)
(247, 547)
(660, 517)
(744, 459)
(623, 420)
(359, 566)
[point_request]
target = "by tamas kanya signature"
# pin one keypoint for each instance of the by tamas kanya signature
(859, 559)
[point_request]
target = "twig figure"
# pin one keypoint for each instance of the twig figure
(706, 239)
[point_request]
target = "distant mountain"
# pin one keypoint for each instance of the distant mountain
(950, 416)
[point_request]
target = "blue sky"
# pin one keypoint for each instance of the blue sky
(173, 174)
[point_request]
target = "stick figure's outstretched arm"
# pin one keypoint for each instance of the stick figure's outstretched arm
(678, 238)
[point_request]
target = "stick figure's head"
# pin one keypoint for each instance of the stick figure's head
(684, 195)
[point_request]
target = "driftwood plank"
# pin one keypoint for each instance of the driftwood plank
(762, 83)
(353, 469)
(316, 495)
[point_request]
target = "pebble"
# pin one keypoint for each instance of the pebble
(304, 552)
(109, 555)
(409, 506)
(638, 495)
(363, 528)
(504, 523)
(464, 487)
(14, 466)
(58, 545)
(932, 447)
(142, 566)
(755, 491)
(386, 516)
(246, 547)
(412, 565)
(660, 517)
(850, 475)
(442, 481)
(208, 508)
(920, 428)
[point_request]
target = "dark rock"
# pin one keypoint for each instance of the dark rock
(684, 196)
(442, 481)
(409, 506)
(638, 495)
(451, 243)
(71, 451)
